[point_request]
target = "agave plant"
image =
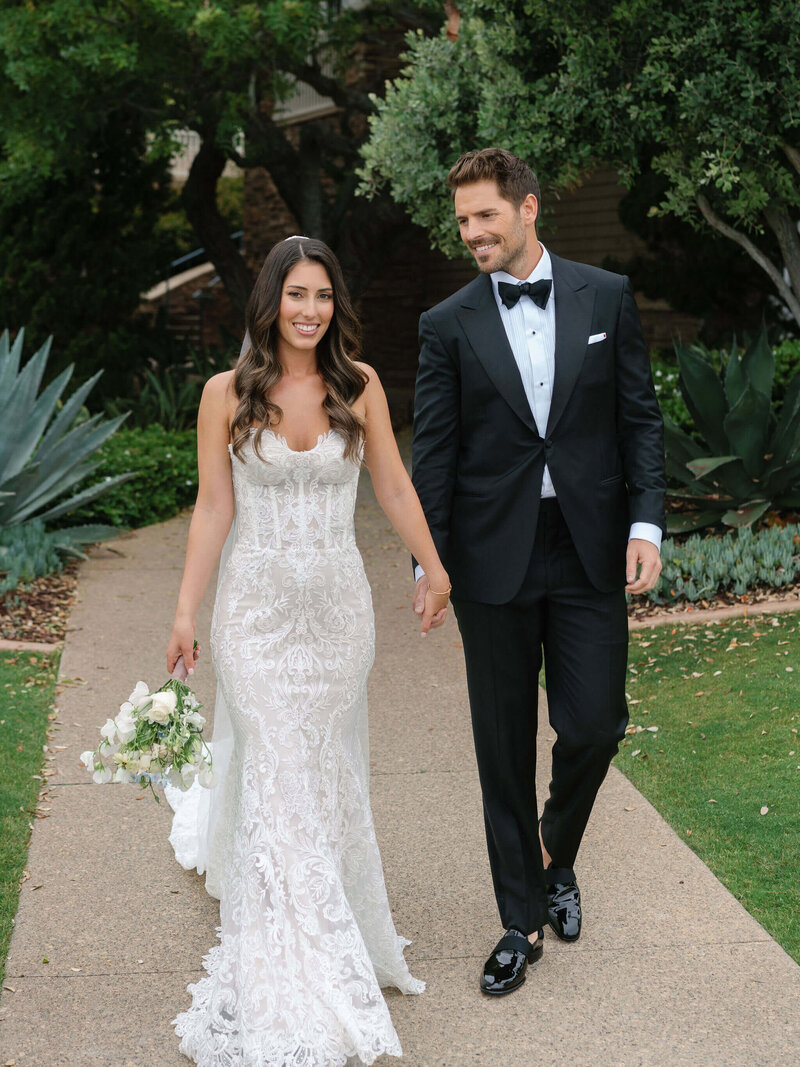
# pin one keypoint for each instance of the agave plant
(746, 459)
(45, 449)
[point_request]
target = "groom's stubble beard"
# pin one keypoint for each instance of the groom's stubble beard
(513, 255)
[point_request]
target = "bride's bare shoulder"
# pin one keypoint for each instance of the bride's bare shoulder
(220, 385)
(219, 390)
(219, 400)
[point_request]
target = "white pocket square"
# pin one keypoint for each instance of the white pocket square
(596, 337)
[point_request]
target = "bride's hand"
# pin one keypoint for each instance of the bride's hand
(432, 606)
(181, 643)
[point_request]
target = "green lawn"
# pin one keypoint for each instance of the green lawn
(27, 692)
(716, 710)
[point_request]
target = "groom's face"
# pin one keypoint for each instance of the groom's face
(493, 229)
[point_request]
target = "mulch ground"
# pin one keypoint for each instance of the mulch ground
(40, 612)
(640, 608)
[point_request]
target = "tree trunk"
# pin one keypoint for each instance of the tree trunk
(790, 296)
(199, 197)
(785, 229)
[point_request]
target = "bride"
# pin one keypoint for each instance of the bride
(286, 838)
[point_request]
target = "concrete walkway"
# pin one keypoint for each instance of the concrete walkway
(670, 969)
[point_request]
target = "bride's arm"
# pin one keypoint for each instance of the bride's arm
(398, 498)
(213, 514)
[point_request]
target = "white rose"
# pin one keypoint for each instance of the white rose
(109, 731)
(194, 718)
(144, 761)
(126, 726)
(122, 775)
(206, 777)
(162, 707)
(188, 771)
(140, 695)
(87, 759)
(101, 777)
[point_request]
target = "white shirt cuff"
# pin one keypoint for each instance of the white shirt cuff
(646, 531)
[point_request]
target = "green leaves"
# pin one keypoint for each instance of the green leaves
(39, 465)
(739, 561)
(708, 91)
(748, 461)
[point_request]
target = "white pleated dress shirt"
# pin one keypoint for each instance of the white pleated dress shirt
(531, 333)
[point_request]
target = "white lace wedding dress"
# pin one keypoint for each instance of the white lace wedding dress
(287, 838)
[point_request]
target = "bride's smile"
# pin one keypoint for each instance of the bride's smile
(306, 309)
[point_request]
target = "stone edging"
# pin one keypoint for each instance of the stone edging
(762, 607)
(28, 646)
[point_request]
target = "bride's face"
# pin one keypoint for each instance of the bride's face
(306, 306)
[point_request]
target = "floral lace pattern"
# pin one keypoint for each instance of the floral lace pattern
(306, 936)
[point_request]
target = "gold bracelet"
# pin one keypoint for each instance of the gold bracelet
(445, 593)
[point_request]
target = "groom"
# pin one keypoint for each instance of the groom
(538, 458)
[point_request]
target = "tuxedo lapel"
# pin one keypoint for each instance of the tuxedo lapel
(574, 310)
(480, 319)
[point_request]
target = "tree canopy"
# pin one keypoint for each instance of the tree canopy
(706, 93)
(75, 72)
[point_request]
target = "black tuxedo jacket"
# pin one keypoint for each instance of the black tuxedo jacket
(478, 455)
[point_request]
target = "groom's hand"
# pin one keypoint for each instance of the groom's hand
(641, 554)
(420, 589)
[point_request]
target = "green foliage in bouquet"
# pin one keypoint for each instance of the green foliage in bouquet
(745, 457)
(740, 561)
(156, 737)
(164, 479)
(47, 447)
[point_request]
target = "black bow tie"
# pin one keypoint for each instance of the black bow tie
(537, 291)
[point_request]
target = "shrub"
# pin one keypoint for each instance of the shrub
(164, 480)
(699, 567)
(666, 378)
(170, 393)
(744, 457)
(29, 551)
(47, 447)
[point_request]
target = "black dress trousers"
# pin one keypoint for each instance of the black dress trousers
(583, 636)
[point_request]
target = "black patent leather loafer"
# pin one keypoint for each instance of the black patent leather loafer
(563, 903)
(505, 969)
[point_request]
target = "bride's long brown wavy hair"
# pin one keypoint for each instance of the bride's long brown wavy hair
(259, 369)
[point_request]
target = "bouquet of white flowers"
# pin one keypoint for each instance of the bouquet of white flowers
(156, 737)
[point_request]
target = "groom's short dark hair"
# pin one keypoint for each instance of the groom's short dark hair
(515, 179)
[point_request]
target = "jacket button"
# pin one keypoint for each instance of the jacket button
(548, 445)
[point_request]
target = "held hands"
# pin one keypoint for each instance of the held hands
(641, 554)
(181, 645)
(431, 606)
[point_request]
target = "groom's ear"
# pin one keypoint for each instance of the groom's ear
(529, 210)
